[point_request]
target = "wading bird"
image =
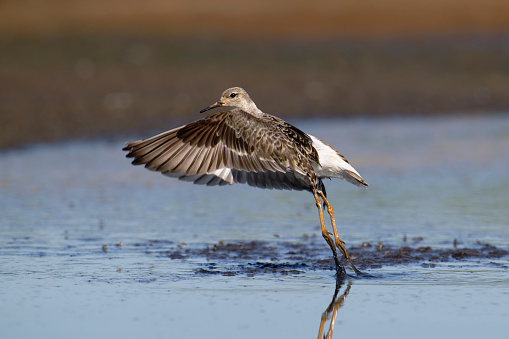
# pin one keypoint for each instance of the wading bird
(244, 145)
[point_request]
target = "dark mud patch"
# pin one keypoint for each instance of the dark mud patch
(257, 268)
(285, 258)
(379, 256)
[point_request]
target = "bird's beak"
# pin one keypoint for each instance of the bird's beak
(217, 104)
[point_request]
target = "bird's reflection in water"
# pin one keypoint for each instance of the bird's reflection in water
(332, 310)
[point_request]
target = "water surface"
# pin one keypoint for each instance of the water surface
(83, 237)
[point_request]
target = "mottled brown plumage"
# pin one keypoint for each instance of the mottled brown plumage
(245, 145)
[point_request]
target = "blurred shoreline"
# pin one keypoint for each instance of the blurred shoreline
(84, 69)
(57, 88)
(265, 19)
(90, 69)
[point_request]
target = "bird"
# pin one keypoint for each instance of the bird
(243, 145)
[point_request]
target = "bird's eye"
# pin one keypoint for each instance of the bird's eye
(233, 95)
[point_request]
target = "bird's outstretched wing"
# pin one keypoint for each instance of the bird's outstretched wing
(227, 148)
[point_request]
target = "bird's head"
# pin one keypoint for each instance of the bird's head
(234, 97)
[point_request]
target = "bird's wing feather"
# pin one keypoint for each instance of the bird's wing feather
(228, 147)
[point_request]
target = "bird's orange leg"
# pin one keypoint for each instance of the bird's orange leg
(339, 243)
(339, 269)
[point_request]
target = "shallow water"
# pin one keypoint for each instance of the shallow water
(84, 235)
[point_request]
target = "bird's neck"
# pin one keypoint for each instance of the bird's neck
(252, 109)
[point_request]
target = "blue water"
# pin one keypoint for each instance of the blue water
(81, 229)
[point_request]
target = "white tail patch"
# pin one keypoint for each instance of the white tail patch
(333, 164)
